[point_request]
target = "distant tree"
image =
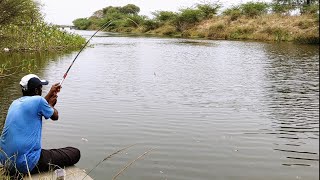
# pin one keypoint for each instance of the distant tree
(234, 12)
(98, 14)
(191, 15)
(188, 17)
(209, 9)
(253, 9)
(165, 16)
(150, 25)
(130, 9)
(82, 23)
(279, 8)
(305, 6)
(134, 21)
(110, 10)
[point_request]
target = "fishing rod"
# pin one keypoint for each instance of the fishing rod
(103, 27)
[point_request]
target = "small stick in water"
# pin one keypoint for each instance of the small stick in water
(129, 164)
(108, 157)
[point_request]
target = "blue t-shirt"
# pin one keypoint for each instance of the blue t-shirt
(21, 136)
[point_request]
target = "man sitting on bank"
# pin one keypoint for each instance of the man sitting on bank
(20, 143)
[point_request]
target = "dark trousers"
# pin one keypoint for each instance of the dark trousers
(56, 158)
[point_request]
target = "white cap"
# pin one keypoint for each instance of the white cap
(32, 81)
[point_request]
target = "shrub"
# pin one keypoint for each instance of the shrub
(165, 16)
(167, 30)
(40, 36)
(19, 12)
(279, 33)
(209, 10)
(242, 32)
(310, 9)
(191, 15)
(281, 8)
(252, 9)
(217, 31)
(188, 17)
(150, 25)
(234, 12)
(22, 29)
(135, 20)
(217, 27)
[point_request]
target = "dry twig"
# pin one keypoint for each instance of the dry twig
(129, 164)
(108, 157)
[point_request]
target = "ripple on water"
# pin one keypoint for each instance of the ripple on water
(211, 109)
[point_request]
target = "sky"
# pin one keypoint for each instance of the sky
(63, 12)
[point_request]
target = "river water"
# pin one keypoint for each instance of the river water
(210, 109)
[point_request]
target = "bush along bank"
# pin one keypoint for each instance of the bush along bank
(22, 28)
(250, 21)
(38, 37)
(262, 28)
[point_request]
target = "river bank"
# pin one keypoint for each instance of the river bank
(275, 28)
(302, 29)
(22, 28)
(250, 21)
(37, 37)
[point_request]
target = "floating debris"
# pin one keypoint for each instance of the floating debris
(84, 139)
(196, 43)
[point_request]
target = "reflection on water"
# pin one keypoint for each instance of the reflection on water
(212, 109)
(293, 76)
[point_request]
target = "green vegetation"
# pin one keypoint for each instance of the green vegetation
(250, 21)
(22, 28)
(253, 9)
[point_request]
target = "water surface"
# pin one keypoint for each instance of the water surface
(211, 109)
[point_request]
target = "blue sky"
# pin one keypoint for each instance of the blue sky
(63, 12)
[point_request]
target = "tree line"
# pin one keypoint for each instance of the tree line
(127, 18)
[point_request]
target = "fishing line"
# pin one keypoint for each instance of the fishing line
(103, 27)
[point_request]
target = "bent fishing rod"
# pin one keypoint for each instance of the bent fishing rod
(103, 27)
